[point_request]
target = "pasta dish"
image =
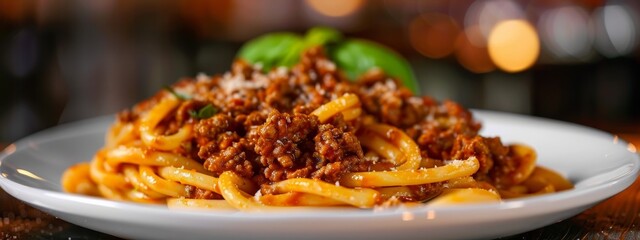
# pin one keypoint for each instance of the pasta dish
(303, 136)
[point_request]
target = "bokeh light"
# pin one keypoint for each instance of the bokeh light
(514, 45)
(433, 34)
(616, 30)
(566, 32)
(474, 58)
(335, 8)
(487, 13)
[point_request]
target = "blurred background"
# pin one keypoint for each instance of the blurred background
(572, 60)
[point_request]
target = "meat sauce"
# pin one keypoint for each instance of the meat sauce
(262, 128)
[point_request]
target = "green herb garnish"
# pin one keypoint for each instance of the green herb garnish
(174, 93)
(353, 56)
(204, 112)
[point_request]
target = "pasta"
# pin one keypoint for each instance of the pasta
(305, 136)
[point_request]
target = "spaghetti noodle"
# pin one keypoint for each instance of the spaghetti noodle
(303, 136)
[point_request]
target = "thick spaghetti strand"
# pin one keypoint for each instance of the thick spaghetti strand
(455, 169)
(229, 182)
(400, 139)
(340, 104)
(363, 198)
(149, 122)
(136, 155)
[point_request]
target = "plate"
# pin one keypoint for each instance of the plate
(599, 164)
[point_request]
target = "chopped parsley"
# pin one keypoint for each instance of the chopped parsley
(177, 95)
(204, 112)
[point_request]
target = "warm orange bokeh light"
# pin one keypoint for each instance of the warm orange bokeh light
(513, 45)
(15, 11)
(433, 34)
(335, 8)
(472, 57)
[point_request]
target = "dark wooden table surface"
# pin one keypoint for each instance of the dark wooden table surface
(615, 218)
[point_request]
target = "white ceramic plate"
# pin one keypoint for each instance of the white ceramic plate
(598, 163)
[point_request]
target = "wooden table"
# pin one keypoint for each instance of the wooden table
(615, 218)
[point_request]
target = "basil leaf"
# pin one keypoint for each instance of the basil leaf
(272, 50)
(321, 36)
(204, 112)
(175, 94)
(292, 56)
(353, 56)
(284, 48)
(357, 56)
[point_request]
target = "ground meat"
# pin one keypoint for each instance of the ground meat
(280, 94)
(209, 128)
(337, 151)
(197, 193)
(242, 68)
(284, 143)
(467, 146)
(384, 98)
(222, 147)
(436, 133)
(284, 146)
(263, 128)
(230, 156)
(489, 151)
